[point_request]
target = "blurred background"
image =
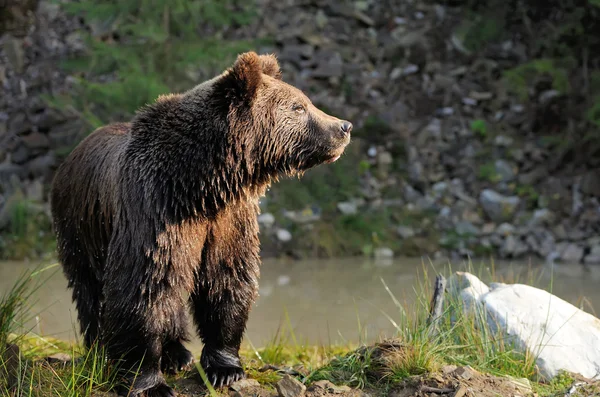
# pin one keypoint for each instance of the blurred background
(476, 136)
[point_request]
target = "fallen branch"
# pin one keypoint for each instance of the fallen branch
(437, 305)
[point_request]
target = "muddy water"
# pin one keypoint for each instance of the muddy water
(325, 302)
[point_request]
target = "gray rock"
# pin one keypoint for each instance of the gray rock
(590, 183)
(439, 188)
(267, 219)
(7, 170)
(49, 10)
(426, 203)
(21, 155)
(329, 387)
(410, 69)
(560, 232)
(416, 172)
(244, 384)
(532, 177)
(546, 245)
(576, 234)
(290, 387)
(383, 253)
(542, 217)
(347, 207)
(593, 241)
(4, 214)
(498, 208)
(505, 229)
(384, 162)
(75, 41)
(546, 96)
(34, 191)
(13, 48)
(405, 232)
(503, 140)
(384, 158)
(36, 141)
(330, 66)
(465, 228)
(321, 19)
(410, 194)
(504, 170)
(572, 254)
(283, 235)
(40, 166)
(309, 214)
(469, 101)
(513, 247)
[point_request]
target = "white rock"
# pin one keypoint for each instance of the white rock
(560, 335)
(468, 287)
(383, 253)
(283, 235)
(405, 232)
(267, 219)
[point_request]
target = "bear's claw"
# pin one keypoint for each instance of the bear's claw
(224, 376)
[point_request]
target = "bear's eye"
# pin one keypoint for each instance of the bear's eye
(298, 108)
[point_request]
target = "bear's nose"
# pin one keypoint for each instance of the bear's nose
(346, 127)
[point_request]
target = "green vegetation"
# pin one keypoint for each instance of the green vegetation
(520, 78)
(480, 128)
(29, 233)
(487, 172)
(140, 49)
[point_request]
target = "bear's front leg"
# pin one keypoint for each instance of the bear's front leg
(225, 291)
(221, 310)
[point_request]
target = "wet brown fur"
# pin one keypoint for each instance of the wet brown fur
(165, 205)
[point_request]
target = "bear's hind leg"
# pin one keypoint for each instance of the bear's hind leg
(86, 288)
(175, 357)
(135, 317)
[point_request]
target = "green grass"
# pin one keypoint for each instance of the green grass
(520, 77)
(29, 234)
(480, 128)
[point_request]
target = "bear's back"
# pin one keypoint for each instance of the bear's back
(85, 187)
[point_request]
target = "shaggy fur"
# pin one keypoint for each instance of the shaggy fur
(150, 211)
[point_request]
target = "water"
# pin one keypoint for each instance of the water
(324, 301)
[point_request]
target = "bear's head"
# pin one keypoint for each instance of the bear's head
(274, 123)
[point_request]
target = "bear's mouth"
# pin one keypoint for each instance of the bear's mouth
(333, 159)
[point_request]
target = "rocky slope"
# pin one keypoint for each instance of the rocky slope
(451, 138)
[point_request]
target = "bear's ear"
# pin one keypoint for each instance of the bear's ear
(245, 76)
(270, 66)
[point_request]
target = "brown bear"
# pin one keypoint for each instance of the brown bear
(164, 208)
